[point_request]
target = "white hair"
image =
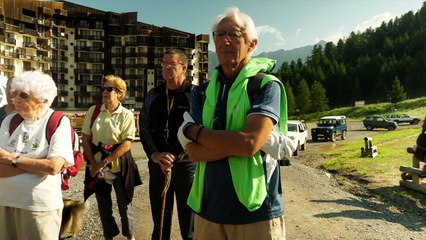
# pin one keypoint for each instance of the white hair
(242, 20)
(38, 83)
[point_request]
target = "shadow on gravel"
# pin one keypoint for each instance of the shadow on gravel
(392, 207)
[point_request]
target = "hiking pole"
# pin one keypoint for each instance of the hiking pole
(164, 194)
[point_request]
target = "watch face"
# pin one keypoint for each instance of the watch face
(15, 162)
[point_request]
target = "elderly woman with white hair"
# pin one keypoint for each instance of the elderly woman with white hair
(30, 181)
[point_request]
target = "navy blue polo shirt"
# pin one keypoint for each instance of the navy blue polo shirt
(220, 202)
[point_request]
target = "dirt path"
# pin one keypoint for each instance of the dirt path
(316, 206)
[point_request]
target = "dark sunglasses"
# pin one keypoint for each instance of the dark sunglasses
(109, 89)
(22, 95)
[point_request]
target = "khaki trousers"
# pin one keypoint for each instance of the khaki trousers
(266, 230)
(23, 224)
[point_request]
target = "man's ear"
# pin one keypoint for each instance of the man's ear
(252, 45)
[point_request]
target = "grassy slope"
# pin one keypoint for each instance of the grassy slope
(346, 160)
(415, 107)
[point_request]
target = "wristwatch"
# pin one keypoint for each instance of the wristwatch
(15, 161)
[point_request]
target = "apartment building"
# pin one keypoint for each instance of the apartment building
(78, 45)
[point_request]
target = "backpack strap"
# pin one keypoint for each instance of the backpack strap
(253, 86)
(53, 123)
(14, 123)
(95, 114)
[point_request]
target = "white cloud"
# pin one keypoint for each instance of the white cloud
(374, 22)
(299, 30)
(274, 32)
(334, 36)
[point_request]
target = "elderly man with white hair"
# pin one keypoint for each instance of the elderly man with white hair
(237, 187)
(30, 181)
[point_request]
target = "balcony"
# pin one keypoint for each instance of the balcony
(29, 44)
(60, 35)
(97, 71)
(116, 43)
(60, 104)
(58, 70)
(82, 59)
(7, 68)
(136, 54)
(135, 65)
(62, 93)
(60, 58)
(28, 68)
(60, 22)
(60, 46)
(28, 19)
(117, 65)
(62, 81)
(82, 71)
(12, 28)
(135, 76)
(9, 54)
(82, 80)
(97, 60)
(82, 36)
(83, 25)
(119, 55)
(96, 37)
(10, 40)
(44, 22)
(29, 32)
(44, 35)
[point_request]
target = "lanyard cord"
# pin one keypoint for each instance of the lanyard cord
(169, 108)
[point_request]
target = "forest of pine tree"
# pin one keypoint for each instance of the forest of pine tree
(385, 64)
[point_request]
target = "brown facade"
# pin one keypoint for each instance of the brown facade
(78, 45)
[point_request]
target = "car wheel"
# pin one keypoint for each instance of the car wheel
(333, 137)
(415, 122)
(343, 135)
(369, 127)
(391, 128)
(296, 152)
(303, 147)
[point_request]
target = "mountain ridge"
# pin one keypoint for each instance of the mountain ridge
(280, 56)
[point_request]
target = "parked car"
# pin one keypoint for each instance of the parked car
(298, 131)
(403, 118)
(372, 122)
(329, 127)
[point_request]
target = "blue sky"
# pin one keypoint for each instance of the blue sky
(281, 24)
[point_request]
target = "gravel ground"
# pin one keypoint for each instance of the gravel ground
(317, 206)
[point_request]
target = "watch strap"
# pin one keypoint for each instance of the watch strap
(15, 161)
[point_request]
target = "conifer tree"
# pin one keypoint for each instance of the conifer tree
(397, 93)
(303, 97)
(291, 99)
(319, 101)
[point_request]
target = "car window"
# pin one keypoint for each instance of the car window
(292, 127)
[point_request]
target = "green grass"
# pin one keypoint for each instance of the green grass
(391, 145)
(415, 107)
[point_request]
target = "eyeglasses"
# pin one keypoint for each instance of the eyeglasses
(109, 89)
(22, 95)
(170, 64)
(232, 34)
